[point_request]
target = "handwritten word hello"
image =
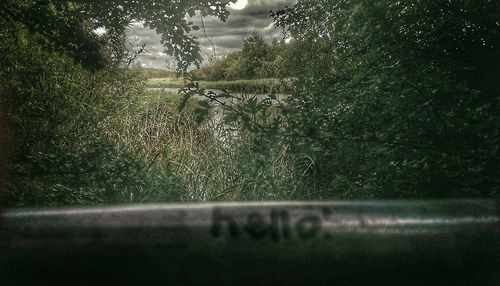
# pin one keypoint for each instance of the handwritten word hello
(278, 227)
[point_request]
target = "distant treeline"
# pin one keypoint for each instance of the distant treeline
(257, 59)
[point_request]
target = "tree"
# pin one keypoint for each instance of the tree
(234, 68)
(257, 59)
(67, 26)
(255, 52)
(396, 99)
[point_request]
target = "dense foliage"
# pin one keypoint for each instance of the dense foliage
(63, 87)
(387, 100)
(58, 111)
(396, 98)
(85, 131)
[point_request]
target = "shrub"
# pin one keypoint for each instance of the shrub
(396, 99)
(59, 113)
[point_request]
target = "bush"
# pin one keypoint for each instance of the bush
(396, 99)
(60, 112)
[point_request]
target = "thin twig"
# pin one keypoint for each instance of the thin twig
(206, 36)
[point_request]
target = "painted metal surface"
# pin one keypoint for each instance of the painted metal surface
(289, 243)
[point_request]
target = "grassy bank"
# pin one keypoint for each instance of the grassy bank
(255, 86)
(165, 82)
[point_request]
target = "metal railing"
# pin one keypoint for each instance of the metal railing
(452, 242)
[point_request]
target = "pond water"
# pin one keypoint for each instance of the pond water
(219, 112)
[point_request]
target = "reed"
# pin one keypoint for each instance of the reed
(189, 160)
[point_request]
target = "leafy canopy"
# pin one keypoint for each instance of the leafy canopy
(67, 25)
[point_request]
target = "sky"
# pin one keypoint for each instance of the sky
(246, 17)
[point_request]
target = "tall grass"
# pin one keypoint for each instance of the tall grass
(188, 160)
(93, 138)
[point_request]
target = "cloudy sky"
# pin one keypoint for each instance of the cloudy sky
(246, 17)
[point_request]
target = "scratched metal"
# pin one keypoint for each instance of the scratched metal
(290, 243)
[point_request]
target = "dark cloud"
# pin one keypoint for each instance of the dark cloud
(227, 37)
